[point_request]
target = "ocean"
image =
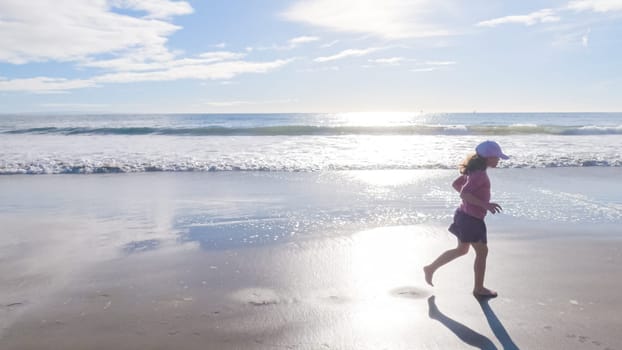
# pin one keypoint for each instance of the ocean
(127, 143)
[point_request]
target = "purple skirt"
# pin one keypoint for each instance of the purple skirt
(468, 229)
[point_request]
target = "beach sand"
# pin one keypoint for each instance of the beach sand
(156, 262)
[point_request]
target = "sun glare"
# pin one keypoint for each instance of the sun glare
(383, 260)
(389, 178)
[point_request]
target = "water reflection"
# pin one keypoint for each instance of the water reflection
(238, 234)
(228, 211)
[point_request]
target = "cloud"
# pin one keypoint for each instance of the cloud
(141, 63)
(186, 69)
(44, 84)
(332, 43)
(320, 69)
(572, 37)
(242, 103)
(596, 5)
(155, 8)
(440, 63)
(345, 54)
(302, 40)
(586, 38)
(426, 69)
(194, 71)
(541, 16)
(75, 30)
(226, 103)
(391, 19)
(75, 105)
(388, 60)
(431, 66)
(220, 56)
(126, 39)
(291, 43)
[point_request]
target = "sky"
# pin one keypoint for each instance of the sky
(277, 56)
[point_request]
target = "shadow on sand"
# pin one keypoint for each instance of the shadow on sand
(470, 336)
(496, 326)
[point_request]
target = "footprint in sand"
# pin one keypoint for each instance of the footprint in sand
(257, 296)
(410, 292)
(337, 299)
(13, 305)
(585, 339)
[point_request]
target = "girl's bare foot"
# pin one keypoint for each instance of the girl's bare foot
(427, 270)
(484, 293)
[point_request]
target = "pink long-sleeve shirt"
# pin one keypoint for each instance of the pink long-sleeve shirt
(476, 183)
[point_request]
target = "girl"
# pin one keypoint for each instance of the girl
(474, 187)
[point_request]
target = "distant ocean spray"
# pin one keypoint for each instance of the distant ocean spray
(70, 144)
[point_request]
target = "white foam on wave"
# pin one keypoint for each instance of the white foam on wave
(596, 130)
(59, 154)
(523, 125)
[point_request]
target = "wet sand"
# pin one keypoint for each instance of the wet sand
(365, 291)
(359, 288)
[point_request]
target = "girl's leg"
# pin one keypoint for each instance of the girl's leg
(479, 267)
(443, 259)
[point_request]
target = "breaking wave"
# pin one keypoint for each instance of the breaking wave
(309, 130)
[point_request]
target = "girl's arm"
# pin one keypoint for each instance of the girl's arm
(490, 206)
(459, 182)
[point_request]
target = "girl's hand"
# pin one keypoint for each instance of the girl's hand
(493, 207)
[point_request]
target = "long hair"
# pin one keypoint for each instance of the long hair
(472, 163)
